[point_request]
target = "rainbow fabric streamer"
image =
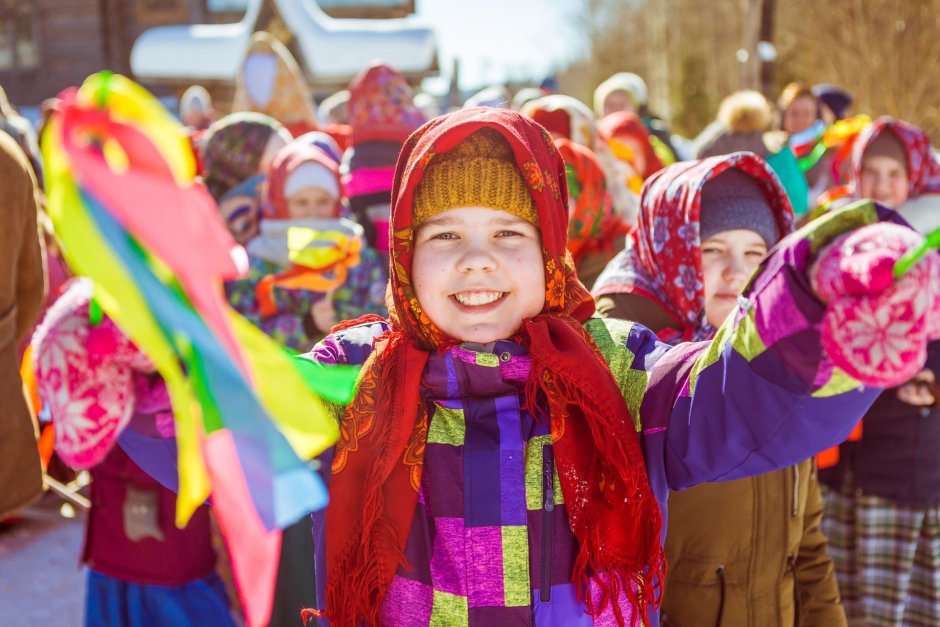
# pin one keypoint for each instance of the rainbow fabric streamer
(249, 416)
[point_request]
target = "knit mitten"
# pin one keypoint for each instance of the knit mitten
(85, 376)
(876, 328)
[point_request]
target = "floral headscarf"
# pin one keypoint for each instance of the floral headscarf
(923, 172)
(593, 223)
(377, 469)
(663, 258)
(233, 148)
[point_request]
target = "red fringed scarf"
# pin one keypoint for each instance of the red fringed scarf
(377, 469)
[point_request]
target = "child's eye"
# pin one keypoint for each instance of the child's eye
(711, 250)
(508, 233)
(444, 236)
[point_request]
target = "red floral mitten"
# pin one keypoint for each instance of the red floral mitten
(85, 376)
(876, 328)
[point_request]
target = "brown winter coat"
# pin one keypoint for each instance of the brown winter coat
(753, 545)
(743, 553)
(22, 288)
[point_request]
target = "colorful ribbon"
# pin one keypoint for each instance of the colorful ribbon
(248, 416)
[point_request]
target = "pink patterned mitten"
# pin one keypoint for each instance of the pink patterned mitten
(85, 377)
(875, 328)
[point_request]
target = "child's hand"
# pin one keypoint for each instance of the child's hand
(323, 314)
(875, 327)
(919, 391)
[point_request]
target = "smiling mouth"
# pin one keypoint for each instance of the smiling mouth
(477, 298)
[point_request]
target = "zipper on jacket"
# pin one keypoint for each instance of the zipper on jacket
(796, 491)
(548, 521)
(797, 595)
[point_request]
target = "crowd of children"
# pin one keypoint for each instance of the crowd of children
(595, 369)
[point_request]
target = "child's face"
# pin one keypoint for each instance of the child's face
(478, 272)
(728, 261)
(800, 115)
(884, 180)
(618, 101)
(311, 202)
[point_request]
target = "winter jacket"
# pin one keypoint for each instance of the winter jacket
(21, 297)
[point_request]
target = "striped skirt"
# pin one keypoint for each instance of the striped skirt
(887, 559)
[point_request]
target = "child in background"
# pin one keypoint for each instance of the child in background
(629, 141)
(236, 153)
(142, 570)
(566, 118)
(507, 457)
(749, 551)
(798, 108)
(238, 147)
(743, 119)
(382, 115)
(297, 302)
(883, 502)
(627, 92)
(835, 103)
(596, 231)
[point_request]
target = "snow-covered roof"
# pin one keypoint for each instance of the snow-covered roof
(331, 48)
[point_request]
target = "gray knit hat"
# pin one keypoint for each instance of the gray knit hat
(733, 200)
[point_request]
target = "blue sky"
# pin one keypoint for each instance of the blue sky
(500, 39)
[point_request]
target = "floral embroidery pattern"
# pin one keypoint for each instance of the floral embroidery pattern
(533, 176)
(414, 452)
(552, 185)
(357, 422)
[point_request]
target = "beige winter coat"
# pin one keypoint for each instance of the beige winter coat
(22, 289)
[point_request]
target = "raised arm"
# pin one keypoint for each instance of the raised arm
(764, 393)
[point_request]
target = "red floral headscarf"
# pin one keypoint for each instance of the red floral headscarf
(381, 107)
(663, 259)
(377, 470)
(923, 172)
(629, 124)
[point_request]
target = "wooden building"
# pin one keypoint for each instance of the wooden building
(48, 45)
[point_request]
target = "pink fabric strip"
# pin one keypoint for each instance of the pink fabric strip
(368, 181)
